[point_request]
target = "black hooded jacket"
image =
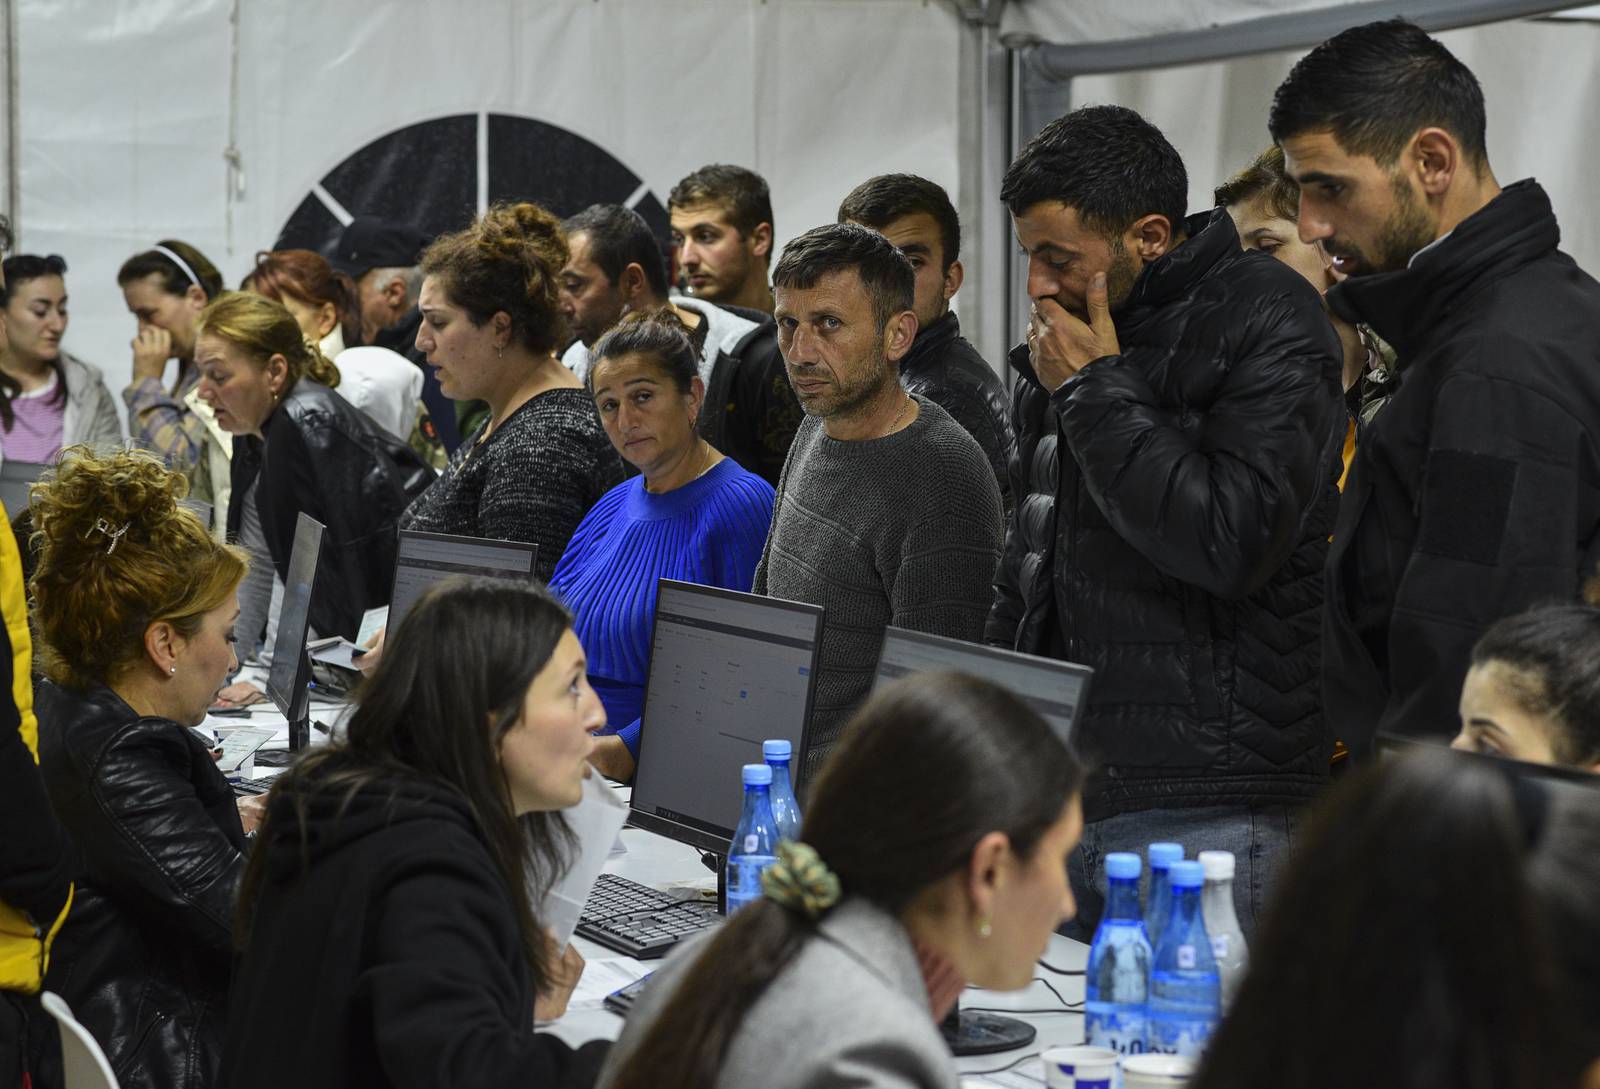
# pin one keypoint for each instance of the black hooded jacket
(946, 369)
(1475, 493)
(383, 951)
(1173, 505)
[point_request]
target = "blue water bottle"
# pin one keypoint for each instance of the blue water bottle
(1159, 901)
(1117, 981)
(1185, 992)
(784, 808)
(755, 841)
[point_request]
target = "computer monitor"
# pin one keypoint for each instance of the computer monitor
(424, 559)
(727, 672)
(16, 477)
(1053, 688)
(289, 679)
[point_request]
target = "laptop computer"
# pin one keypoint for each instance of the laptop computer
(1053, 688)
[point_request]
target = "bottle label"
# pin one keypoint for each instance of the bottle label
(1219, 946)
(1186, 957)
(1122, 1030)
(1179, 1035)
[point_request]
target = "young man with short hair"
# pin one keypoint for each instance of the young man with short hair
(917, 216)
(749, 412)
(1475, 493)
(887, 512)
(1178, 423)
(722, 226)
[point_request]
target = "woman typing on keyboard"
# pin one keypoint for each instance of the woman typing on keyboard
(934, 854)
(134, 606)
(388, 916)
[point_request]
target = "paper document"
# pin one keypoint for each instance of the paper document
(595, 821)
(372, 621)
(237, 746)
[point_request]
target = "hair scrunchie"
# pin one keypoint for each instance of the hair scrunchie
(800, 880)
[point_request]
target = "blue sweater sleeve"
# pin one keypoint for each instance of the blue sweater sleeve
(630, 738)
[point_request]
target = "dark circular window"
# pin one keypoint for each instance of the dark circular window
(438, 174)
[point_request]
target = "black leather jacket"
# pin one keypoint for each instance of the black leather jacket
(321, 455)
(946, 369)
(144, 956)
(1172, 519)
(750, 412)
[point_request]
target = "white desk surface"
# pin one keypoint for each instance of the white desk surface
(654, 860)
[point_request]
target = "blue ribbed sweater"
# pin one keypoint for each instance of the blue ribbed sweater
(710, 531)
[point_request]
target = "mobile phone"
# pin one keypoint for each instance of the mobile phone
(621, 1001)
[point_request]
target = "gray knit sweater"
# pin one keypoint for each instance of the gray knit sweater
(904, 530)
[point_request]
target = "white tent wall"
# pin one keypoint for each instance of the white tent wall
(1540, 83)
(126, 107)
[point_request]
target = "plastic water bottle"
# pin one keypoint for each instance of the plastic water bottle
(1117, 982)
(1185, 995)
(1222, 922)
(1159, 900)
(784, 808)
(755, 841)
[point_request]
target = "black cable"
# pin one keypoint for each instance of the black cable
(1059, 997)
(1061, 971)
(1002, 1069)
(1003, 1009)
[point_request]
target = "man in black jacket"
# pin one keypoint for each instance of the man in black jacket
(917, 216)
(1476, 492)
(1178, 421)
(750, 412)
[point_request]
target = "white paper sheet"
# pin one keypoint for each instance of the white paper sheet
(595, 821)
(602, 977)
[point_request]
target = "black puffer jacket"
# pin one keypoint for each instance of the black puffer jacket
(1173, 510)
(946, 369)
(144, 957)
(323, 456)
(1475, 493)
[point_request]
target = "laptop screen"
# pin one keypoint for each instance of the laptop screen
(290, 674)
(727, 672)
(1053, 688)
(424, 559)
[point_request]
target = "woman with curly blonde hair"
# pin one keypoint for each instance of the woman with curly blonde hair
(134, 605)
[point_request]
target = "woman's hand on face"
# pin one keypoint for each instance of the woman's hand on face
(566, 970)
(151, 350)
(251, 810)
(368, 662)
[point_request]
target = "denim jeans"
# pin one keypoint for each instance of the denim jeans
(1260, 838)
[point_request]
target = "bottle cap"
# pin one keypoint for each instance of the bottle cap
(1122, 865)
(1186, 875)
(757, 775)
(1164, 854)
(1218, 865)
(776, 749)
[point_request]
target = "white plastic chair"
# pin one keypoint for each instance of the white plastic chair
(82, 1061)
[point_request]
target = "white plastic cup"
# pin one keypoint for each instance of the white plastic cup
(1080, 1068)
(1156, 1071)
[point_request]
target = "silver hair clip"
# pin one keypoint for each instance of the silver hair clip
(114, 533)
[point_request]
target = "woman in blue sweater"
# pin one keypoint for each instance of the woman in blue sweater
(692, 515)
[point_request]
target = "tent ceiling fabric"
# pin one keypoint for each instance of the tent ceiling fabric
(1080, 36)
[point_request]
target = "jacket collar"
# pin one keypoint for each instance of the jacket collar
(402, 335)
(931, 342)
(877, 941)
(1406, 305)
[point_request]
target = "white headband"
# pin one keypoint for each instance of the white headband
(181, 263)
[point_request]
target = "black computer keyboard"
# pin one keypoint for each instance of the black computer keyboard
(248, 788)
(638, 920)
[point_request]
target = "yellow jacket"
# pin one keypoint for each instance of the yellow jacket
(24, 942)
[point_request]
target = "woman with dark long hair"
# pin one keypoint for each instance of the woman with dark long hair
(388, 913)
(934, 853)
(1418, 940)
